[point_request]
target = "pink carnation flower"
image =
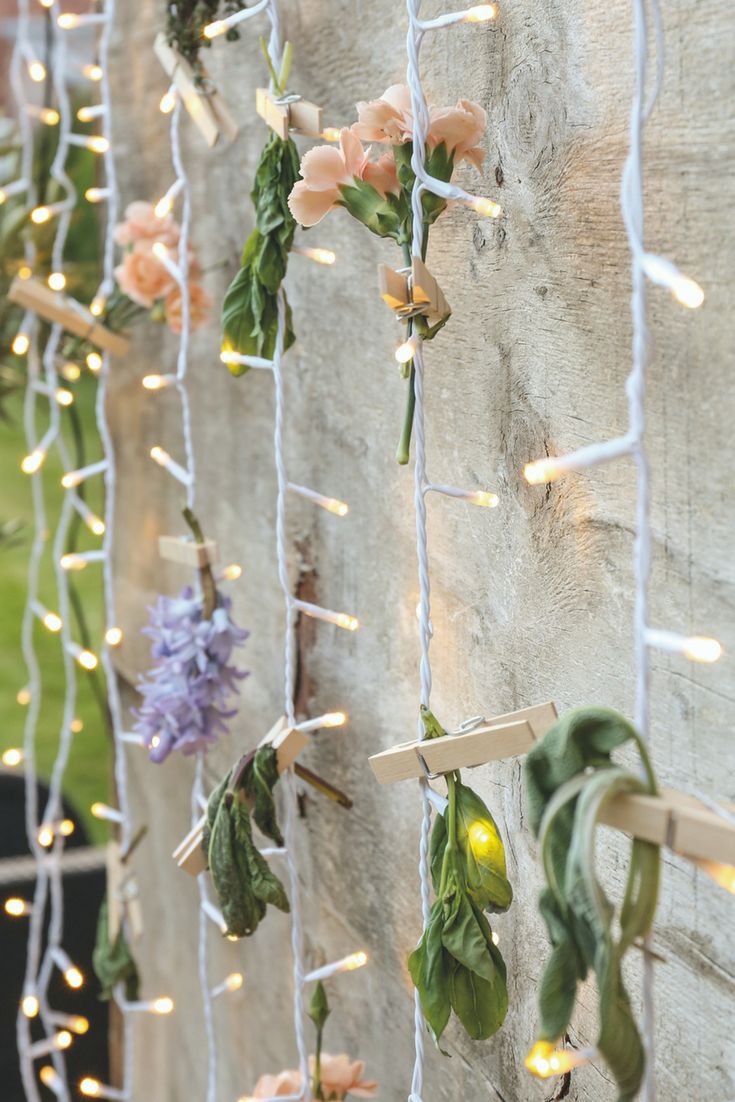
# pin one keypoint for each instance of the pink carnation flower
(199, 308)
(340, 1076)
(142, 277)
(325, 168)
(143, 224)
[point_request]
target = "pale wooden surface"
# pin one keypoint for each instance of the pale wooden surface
(532, 600)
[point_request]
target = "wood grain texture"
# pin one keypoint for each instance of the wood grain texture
(530, 601)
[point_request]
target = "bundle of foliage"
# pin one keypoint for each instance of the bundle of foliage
(185, 23)
(569, 777)
(456, 965)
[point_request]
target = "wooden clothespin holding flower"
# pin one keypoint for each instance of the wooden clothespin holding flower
(284, 111)
(413, 292)
(201, 99)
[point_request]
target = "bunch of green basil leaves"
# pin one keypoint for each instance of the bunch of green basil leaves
(569, 777)
(112, 961)
(241, 875)
(456, 965)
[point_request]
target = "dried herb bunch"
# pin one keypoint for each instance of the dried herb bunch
(186, 20)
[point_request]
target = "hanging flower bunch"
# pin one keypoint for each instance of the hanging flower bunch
(332, 1077)
(185, 23)
(185, 695)
(377, 192)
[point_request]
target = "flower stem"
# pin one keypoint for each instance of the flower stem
(404, 444)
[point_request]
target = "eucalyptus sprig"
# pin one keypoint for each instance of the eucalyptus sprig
(250, 307)
(241, 875)
(185, 23)
(570, 776)
(456, 965)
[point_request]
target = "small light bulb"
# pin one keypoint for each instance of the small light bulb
(334, 719)
(90, 1087)
(97, 306)
(33, 462)
(234, 981)
(94, 362)
(331, 134)
(63, 396)
(163, 1006)
(66, 827)
(339, 508)
(36, 71)
(167, 104)
(541, 470)
(537, 1061)
(76, 726)
(159, 455)
(232, 572)
(21, 344)
(47, 1074)
(113, 637)
(86, 114)
(98, 809)
(485, 207)
(24, 272)
(481, 13)
(688, 292)
(46, 3)
(63, 1039)
(356, 960)
(479, 835)
(699, 648)
(74, 977)
(57, 281)
(52, 621)
(95, 194)
(39, 215)
(87, 660)
(406, 351)
(49, 116)
(494, 938)
(71, 372)
(12, 757)
(485, 499)
(16, 907)
(23, 696)
(724, 875)
(160, 250)
(68, 21)
(29, 1006)
(93, 72)
(163, 207)
(45, 837)
(349, 623)
(323, 256)
(79, 1023)
(97, 143)
(152, 382)
(72, 562)
(95, 524)
(212, 30)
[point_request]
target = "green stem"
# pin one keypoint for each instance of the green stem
(206, 577)
(404, 444)
(316, 1088)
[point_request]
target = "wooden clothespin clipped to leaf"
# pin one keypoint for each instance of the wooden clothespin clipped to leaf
(198, 553)
(201, 99)
(122, 890)
(284, 111)
(60, 309)
(413, 292)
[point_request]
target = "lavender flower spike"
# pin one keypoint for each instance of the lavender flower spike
(186, 692)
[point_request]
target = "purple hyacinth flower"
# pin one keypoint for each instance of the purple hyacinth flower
(186, 692)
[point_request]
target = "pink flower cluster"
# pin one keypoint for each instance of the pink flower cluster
(388, 120)
(340, 1076)
(145, 279)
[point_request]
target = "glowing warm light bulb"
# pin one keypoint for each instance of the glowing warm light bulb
(406, 351)
(212, 30)
(21, 344)
(159, 455)
(163, 1005)
(94, 362)
(29, 1006)
(479, 835)
(93, 72)
(79, 1024)
(37, 71)
(113, 637)
(49, 116)
(163, 207)
(45, 837)
(232, 572)
(541, 470)
(39, 215)
(90, 1087)
(66, 827)
(494, 938)
(331, 134)
(87, 660)
(12, 757)
(71, 372)
(355, 960)
(349, 623)
(323, 256)
(484, 498)
(24, 272)
(95, 194)
(234, 981)
(544, 1060)
(76, 726)
(537, 1061)
(73, 977)
(33, 461)
(68, 20)
(72, 562)
(17, 908)
(160, 250)
(97, 143)
(46, 3)
(49, 1075)
(724, 875)
(87, 114)
(688, 292)
(486, 207)
(95, 524)
(99, 810)
(334, 719)
(52, 621)
(97, 306)
(63, 1039)
(481, 13)
(57, 281)
(152, 382)
(700, 648)
(167, 103)
(23, 696)
(339, 508)
(63, 396)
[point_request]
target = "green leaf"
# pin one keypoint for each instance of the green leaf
(112, 961)
(428, 966)
(481, 1005)
(464, 937)
(368, 206)
(482, 852)
(258, 785)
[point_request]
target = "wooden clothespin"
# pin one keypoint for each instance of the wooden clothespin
(288, 742)
(122, 895)
(502, 736)
(675, 820)
(289, 112)
(413, 292)
(203, 102)
(60, 309)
